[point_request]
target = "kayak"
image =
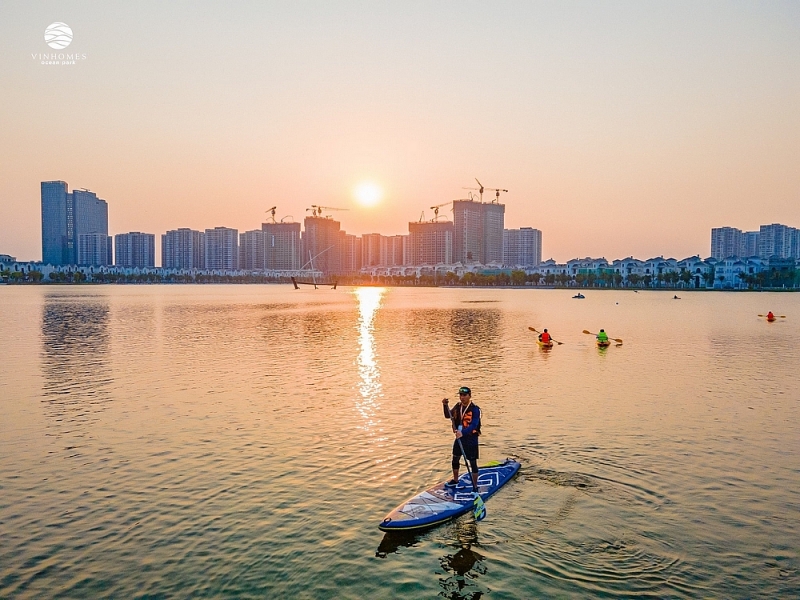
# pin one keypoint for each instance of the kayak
(441, 503)
(579, 296)
(603, 344)
(544, 345)
(771, 320)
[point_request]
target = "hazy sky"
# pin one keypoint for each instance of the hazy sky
(619, 128)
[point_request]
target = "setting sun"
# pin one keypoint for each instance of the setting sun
(368, 194)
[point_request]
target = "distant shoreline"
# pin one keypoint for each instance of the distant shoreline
(394, 285)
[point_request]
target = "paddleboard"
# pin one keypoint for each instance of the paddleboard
(441, 503)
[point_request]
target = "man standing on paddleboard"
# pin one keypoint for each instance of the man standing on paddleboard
(466, 419)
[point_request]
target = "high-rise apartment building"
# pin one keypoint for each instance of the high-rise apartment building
(749, 245)
(396, 250)
(493, 225)
(430, 243)
(725, 242)
(478, 231)
(350, 252)
(94, 250)
(183, 248)
(135, 249)
(282, 246)
(777, 240)
(65, 217)
(383, 250)
(321, 244)
(251, 250)
(372, 255)
(54, 222)
(222, 249)
(467, 231)
(522, 247)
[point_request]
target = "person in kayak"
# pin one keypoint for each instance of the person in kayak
(466, 420)
(770, 316)
(544, 337)
(602, 337)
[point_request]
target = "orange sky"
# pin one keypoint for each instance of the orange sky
(624, 128)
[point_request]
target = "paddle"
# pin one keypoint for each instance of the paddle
(776, 316)
(619, 341)
(551, 338)
(478, 507)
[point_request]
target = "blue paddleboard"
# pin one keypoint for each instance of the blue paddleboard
(441, 503)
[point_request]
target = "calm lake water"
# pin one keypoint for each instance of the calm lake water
(246, 441)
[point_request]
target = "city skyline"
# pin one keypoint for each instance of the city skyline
(75, 231)
(618, 129)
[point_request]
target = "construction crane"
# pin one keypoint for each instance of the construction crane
(480, 189)
(272, 211)
(316, 210)
(436, 211)
(496, 195)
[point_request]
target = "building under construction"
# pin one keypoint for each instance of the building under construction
(478, 231)
(431, 243)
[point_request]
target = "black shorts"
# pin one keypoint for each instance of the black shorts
(470, 449)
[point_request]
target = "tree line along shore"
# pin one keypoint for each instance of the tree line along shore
(787, 279)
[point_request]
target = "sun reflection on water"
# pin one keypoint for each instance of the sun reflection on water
(369, 301)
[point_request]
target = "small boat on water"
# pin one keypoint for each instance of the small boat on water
(297, 283)
(544, 345)
(603, 344)
(579, 296)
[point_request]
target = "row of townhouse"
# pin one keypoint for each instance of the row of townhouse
(692, 272)
(441, 269)
(91, 272)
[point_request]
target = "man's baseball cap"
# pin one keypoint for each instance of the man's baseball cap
(464, 390)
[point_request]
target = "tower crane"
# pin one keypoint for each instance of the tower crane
(480, 189)
(436, 211)
(316, 210)
(272, 211)
(497, 194)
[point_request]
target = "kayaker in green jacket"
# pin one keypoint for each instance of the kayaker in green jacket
(602, 337)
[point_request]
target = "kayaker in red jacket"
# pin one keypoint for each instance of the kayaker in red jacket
(770, 316)
(544, 337)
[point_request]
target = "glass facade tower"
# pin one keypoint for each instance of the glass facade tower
(67, 216)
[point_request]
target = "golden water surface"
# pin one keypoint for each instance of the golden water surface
(246, 441)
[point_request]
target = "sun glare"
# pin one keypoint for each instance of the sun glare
(368, 194)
